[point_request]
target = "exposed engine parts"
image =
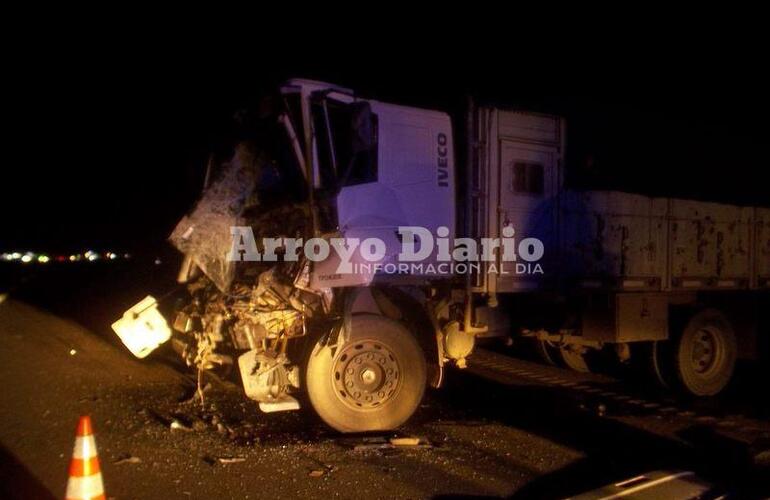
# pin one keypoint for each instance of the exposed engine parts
(266, 378)
(260, 319)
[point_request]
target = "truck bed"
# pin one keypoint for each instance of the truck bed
(630, 241)
(601, 239)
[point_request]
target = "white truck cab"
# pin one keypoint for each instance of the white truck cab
(406, 178)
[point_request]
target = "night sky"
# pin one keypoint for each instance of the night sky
(106, 149)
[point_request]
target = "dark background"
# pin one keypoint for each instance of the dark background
(106, 144)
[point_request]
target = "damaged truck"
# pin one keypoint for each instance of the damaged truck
(676, 282)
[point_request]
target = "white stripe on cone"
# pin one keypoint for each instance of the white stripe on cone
(85, 447)
(85, 487)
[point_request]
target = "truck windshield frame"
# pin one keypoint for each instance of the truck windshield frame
(342, 163)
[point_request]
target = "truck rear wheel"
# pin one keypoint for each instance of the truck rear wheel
(705, 353)
(374, 381)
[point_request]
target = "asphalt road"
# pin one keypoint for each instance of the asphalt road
(54, 370)
(490, 432)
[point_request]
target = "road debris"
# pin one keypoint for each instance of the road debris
(127, 459)
(384, 443)
(194, 394)
(404, 441)
(316, 473)
(176, 425)
(224, 460)
(199, 425)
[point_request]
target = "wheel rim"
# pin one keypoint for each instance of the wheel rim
(366, 374)
(707, 351)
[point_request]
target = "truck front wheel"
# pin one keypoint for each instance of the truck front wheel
(374, 381)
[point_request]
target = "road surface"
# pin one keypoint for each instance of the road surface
(491, 432)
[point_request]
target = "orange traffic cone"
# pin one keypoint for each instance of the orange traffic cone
(85, 478)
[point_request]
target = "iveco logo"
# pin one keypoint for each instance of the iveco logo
(443, 161)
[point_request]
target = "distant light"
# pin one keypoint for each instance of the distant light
(43, 258)
(73, 352)
(158, 261)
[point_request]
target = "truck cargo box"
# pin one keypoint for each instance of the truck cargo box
(613, 239)
(602, 239)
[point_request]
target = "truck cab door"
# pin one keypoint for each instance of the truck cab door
(414, 185)
(528, 179)
(527, 204)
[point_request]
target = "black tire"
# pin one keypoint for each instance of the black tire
(661, 365)
(705, 354)
(373, 382)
